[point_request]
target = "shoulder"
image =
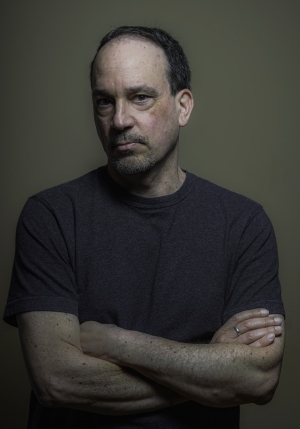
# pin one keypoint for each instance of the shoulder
(65, 204)
(220, 203)
(81, 186)
(72, 195)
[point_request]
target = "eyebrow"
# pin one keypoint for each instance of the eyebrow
(143, 88)
(131, 90)
(97, 91)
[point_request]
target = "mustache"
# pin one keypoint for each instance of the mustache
(124, 138)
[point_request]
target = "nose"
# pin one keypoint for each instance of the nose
(122, 117)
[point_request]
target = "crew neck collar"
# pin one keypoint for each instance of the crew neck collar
(138, 201)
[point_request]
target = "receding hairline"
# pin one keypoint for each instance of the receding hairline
(137, 37)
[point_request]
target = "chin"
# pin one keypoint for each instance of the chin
(131, 166)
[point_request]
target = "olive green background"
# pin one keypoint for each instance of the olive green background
(243, 134)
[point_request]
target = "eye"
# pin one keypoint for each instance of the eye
(141, 98)
(103, 103)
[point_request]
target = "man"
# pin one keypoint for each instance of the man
(145, 296)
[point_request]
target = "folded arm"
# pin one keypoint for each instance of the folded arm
(62, 376)
(225, 373)
(147, 373)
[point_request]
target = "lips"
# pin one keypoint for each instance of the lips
(126, 145)
(127, 141)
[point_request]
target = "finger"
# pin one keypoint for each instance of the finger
(264, 341)
(245, 315)
(255, 335)
(258, 323)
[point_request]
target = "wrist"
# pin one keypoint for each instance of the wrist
(121, 346)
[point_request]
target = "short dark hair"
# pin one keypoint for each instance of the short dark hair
(178, 71)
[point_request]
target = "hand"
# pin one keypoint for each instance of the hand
(257, 328)
(99, 340)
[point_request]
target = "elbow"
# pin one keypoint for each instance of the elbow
(267, 387)
(268, 379)
(49, 392)
(46, 400)
(266, 391)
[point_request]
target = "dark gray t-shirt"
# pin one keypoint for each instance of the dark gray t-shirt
(176, 266)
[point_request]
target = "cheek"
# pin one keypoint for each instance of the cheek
(102, 127)
(162, 121)
(153, 124)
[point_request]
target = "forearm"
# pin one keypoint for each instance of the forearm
(95, 385)
(62, 376)
(215, 375)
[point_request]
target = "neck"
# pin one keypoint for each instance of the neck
(151, 184)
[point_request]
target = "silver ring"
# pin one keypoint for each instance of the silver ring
(237, 330)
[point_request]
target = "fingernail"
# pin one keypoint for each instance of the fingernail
(271, 336)
(277, 319)
(278, 328)
(264, 312)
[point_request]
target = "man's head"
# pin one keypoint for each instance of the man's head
(178, 70)
(137, 115)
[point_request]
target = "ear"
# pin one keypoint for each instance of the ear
(185, 104)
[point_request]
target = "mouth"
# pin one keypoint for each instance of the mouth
(126, 142)
(126, 145)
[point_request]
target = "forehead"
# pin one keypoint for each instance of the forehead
(137, 60)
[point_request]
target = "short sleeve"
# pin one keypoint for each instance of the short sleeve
(43, 277)
(254, 281)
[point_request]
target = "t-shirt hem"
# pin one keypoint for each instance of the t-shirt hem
(274, 307)
(44, 303)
